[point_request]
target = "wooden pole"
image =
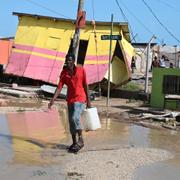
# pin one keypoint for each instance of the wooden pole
(76, 36)
(109, 65)
(147, 64)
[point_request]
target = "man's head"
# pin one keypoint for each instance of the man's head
(70, 59)
(163, 56)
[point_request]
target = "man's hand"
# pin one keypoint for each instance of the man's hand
(50, 104)
(89, 104)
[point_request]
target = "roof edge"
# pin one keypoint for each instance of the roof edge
(68, 20)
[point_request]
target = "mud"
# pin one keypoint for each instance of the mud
(33, 145)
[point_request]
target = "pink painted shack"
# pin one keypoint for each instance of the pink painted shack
(41, 44)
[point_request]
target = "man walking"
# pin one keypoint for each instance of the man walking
(77, 96)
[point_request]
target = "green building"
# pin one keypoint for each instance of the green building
(165, 92)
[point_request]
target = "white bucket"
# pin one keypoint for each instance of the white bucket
(90, 119)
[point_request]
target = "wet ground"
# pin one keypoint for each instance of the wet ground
(33, 145)
(167, 170)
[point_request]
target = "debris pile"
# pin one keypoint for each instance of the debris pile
(170, 120)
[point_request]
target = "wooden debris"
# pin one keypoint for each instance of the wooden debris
(18, 93)
(168, 126)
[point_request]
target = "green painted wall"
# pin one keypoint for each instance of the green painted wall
(157, 96)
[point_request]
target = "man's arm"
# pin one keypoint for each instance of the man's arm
(86, 88)
(57, 92)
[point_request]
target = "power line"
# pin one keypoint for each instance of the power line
(169, 5)
(133, 37)
(170, 33)
(50, 10)
(139, 21)
(125, 18)
(132, 14)
(129, 24)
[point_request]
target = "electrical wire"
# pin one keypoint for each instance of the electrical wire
(152, 12)
(129, 25)
(125, 18)
(169, 5)
(139, 22)
(137, 19)
(50, 10)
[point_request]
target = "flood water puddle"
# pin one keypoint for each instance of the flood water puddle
(166, 170)
(26, 136)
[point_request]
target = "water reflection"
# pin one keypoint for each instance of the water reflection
(29, 137)
(139, 136)
(163, 139)
(5, 141)
(26, 134)
(41, 126)
(158, 171)
(111, 133)
(169, 140)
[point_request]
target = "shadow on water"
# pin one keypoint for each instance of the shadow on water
(41, 144)
(22, 139)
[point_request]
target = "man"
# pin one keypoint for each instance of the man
(162, 62)
(77, 95)
(133, 64)
(155, 62)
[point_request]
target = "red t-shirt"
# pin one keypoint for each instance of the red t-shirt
(75, 84)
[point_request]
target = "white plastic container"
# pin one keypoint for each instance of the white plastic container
(90, 119)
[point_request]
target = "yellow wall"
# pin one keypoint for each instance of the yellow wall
(53, 35)
(56, 35)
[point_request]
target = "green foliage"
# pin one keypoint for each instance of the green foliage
(131, 86)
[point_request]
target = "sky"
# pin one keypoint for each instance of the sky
(145, 17)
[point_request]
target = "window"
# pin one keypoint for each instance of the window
(52, 43)
(171, 84)
(82, 51)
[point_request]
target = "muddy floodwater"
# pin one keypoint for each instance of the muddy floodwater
(33, 145)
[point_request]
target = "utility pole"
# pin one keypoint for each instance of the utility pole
(77, 30)
(110, 37)
(147, 64)
(175, 55)
(109, 65)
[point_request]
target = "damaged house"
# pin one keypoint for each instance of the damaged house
(41, 44)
